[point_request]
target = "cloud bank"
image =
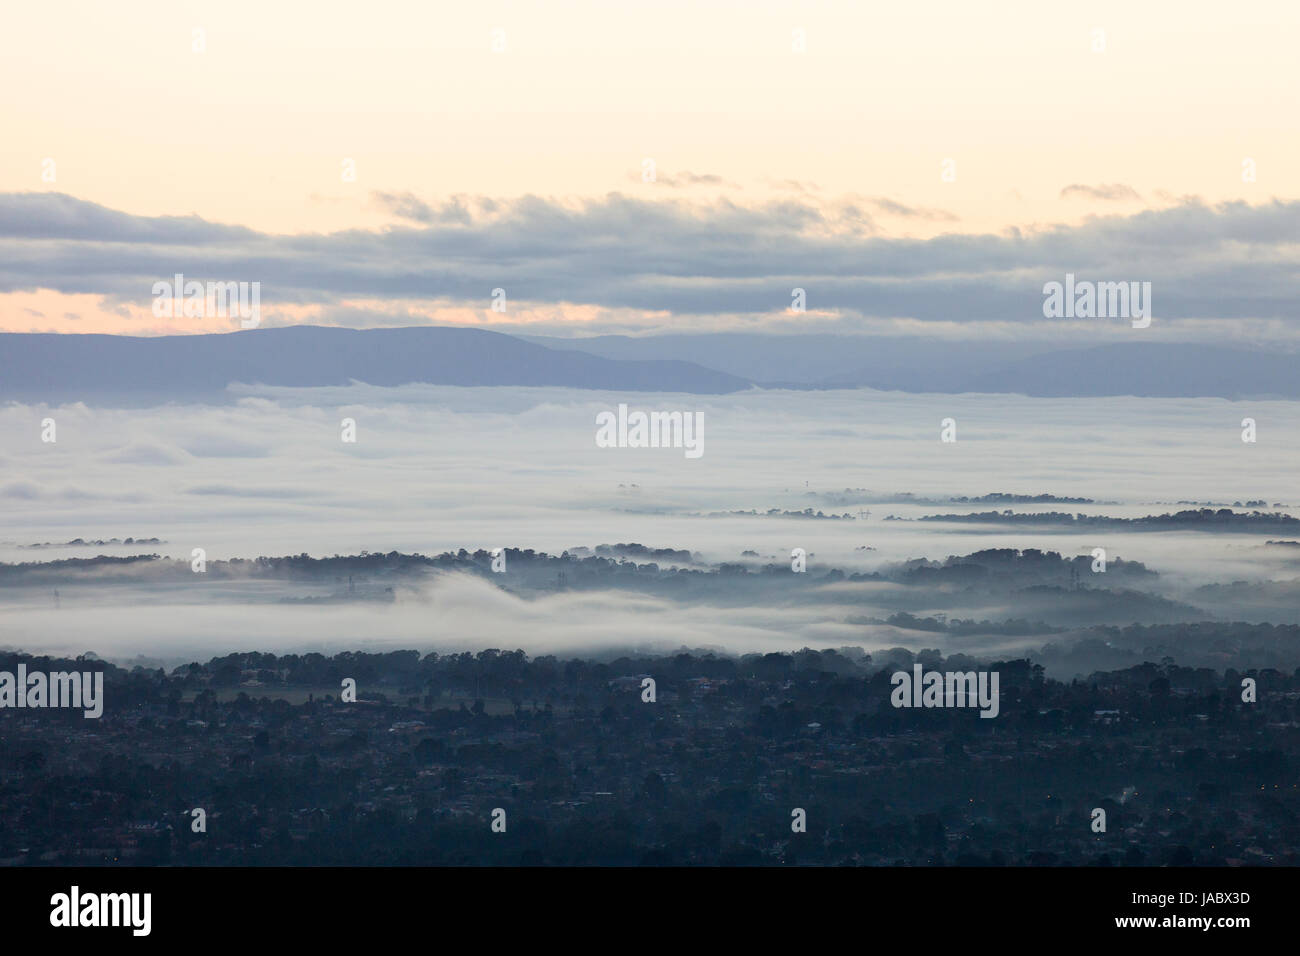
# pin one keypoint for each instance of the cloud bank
(674, 257)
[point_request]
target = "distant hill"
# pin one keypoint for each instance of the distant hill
(132, 370)
(141, 370)
(815, 359)
(918, 364)
(1169, 370)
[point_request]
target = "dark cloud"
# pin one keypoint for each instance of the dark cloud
(459, 210)
(48, 215)
(721, 257)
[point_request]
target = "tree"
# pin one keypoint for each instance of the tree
(32, 762)
(654, 788)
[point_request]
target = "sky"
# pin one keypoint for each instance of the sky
(918, 168)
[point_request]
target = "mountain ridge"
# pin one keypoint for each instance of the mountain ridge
(73, 367)
(63, 367)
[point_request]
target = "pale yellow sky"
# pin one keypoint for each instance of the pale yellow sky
(256, 127)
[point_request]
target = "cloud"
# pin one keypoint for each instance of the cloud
(222, 446)
(50, 215)
(147, 453)
(456, 211)
(892, 208)
(491, 467)
(21, 490)
(1232, 260)
(794, 185)
(240, 491)
(1106, 191)
(684, 179)
(480, 468)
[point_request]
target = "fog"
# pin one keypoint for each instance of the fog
(438, 469)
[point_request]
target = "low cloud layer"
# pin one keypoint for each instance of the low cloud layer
(438, 467)
(674, 257)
